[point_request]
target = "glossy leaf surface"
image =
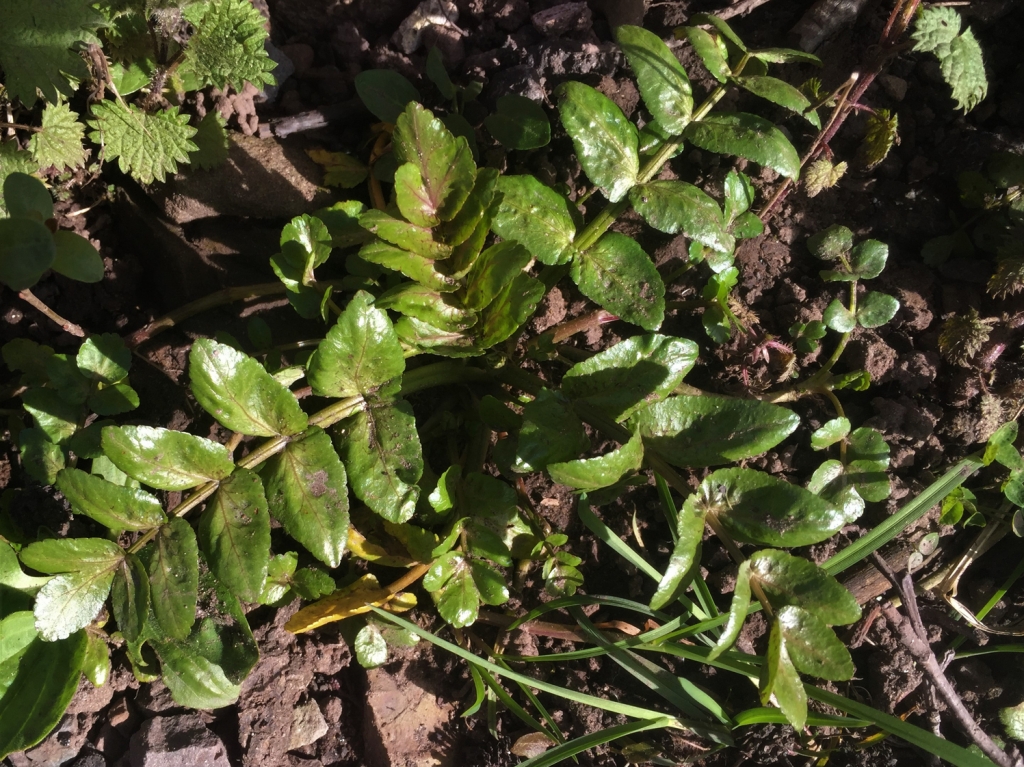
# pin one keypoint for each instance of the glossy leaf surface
(174, 577)
(689, 529)
(813, 647)
(129, 597)
(234, 532)
(551, 433)
(747, 136)
(602, 471)
(519, 123)
(675, 206)
(618, 275)
(783, 681)
(113, 506)
(737, 612)
(165, 459)
(790, 580)
(535, 216)
(663, 83)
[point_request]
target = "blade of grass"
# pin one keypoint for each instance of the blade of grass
(991, 650)
(775, 716)
(518, 710)
(993, 600)
(668, 506)
(588, 599)
(560, 753)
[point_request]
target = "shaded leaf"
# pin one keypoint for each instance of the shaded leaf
(234, 532)
(55, 417)
(385, 93)
(551, 433)
(618, 275)
(880, 135)
(211, 139)
(340, 169)
(130, 597)
(790, 580)
(174, 577)
(75, 257)
(27, 250)
(831, 243)
(165, 459)
(519, 123)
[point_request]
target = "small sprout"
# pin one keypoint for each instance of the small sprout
(822, 175)
(881, 136)
(1009, 277)
(807, 334)
(963, 336)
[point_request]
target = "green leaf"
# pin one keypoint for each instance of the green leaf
(880, 135)
(442, 310)
(148, 146)
(831, 243)
(675, 206)
(113, 400)
(75, 257)
(1012, 718)
(165, 459)
(234, 533)
(11, 574)
(37, 697)
(422, 269)
(28, 357)
(519, 123)
(13, 160)
(605, 140)
(495, 268)
(27, 250)
(467, 231)
(617, 274)
(789, 580)
(306, 243)
(238, 391)
(876, 309)
(603, 471)
(414, 237)
(385, 93)
(867, 259)
(174, 577)
(782, 93)
(513, 306)
(438, 171)
(838, 317)
(194, 680)
(711, 52)
(747, 136)
(381, 451)
(129, 597)
(307, 491)
(361, 354)
(457, 595)
(489, 583)
(755, 507)
(71, 601)
(69, 555)
(694, 431)
(747, 225)
(371, 649)
(55, 417)
(689, 530)
(40, 458)
(785, 56)
(935, 27)
(551, 433)
(831, 432)
(118, 508)
(1000, 448)
(813, 647)
(663, 83)
(38, 48)
(631, 374)
(783, 681)
(17, 632)
(537, 217)
(96, 665)
(73, 387)
(104, 358)
(58, 143)
(739, 195)
(737, 612)
(212, 141)
(438, 76)
(227, 48)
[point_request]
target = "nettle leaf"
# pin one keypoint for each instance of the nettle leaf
(234, 532)
(104, 358)
(782, 93)
(129, 597)
(551, 433)
(238, 391)
(876, 309)
(694, 431)
(737, 612)
(227, 46)
(212, 140)
(27, 250)
(438, 171)
(75, 257)
(381, 451)
(755, 507)
(385, 93)
(513, 306)
(38, 44)
(960, 56)
(780, 678)
(519, 123)
(711, 52)
(747, 136)
(603, 471)
(662, 81)
(148, 146)
(880, 135)
(361, 354)
(165, 459)
(821, 175)
(36, 698)
(813, 647)
(675, 206)
(495, 268)
(307, 491)
(174, 577)
(617, 274)
(789, 580)
(537, 217)
(831, 432)
(58, 143)
(605, 140)
(632, 374)
(113, 506)
(689, 530)
(935, 27)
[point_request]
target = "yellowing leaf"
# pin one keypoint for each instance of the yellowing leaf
(354, 599)
(340, 169)
(821, 175)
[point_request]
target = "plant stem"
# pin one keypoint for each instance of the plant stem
(67, 326)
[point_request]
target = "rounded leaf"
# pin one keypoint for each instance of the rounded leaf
(371, 649)
(27, 197)
(519, 123)
(748, 136)
(595, 473)
(867, 259)
(27, 250)
(385, 93)
(104, 358)
(76, 258)
(838, 317)
(829, 244)
(537, 217)
(831, 432)
(790, 580)
(876, 309)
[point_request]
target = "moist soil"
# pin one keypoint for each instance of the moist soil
(930, 411)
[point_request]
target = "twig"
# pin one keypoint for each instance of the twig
(66, 325)
(742, 8)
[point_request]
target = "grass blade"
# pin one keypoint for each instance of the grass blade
(558, 754)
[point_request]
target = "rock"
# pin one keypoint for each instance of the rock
(896, 87)
(60, 747)
(429, 13)
(562, 19)
(155, 698)
(89, 759)
(402, 724)
(89, 699)
(308, 725)
(262, 178)
(332, 710)
(173, 741)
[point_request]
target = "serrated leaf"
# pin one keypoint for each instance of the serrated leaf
(307, 491)
(694, 431)
(662, 81)
(675, 206)
(935, 27)
(831, 432)
(104, 358)
(385, 93)
(113, 506)
(129, 597)
(441, 310)
(617, 274)
(212, 141)
(876, 309)
(58, 143)
(381, 451)
(537, 217)
(165, 459)
(737, 612)
(234, 533)
(75, 257)
(70, 602)
(782, 93)
(790, 580)
(963, 69)
(1012, 718)
(632, 374)
(821, 175)
(238, 391)
(495, 268)
(519, 123)
(551, 433)
(148, 146)
(747, 136)
(783, 681)
(813, 647)
(414, 237)
(174, 577)
(594, 473)
(55, 417)
(361, 354)
(513, 306)
(604, 138)
(371, 649)
(880, 135)
(27, 250)
(227, 47)
(755, 507)
(689, 530)
(38, 43)
(838, 317)
(710, 51)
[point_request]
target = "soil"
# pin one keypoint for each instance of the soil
(930, 411)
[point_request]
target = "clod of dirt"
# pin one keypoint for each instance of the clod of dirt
(403, 723)
(172, 741)
(63, 744)
(308, 726)
(562, 19)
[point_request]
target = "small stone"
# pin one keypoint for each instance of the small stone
(896, 87)
(173, 741)
(332, 710)
(562, 19)
(89, 759)
(308, 725)
(402, 723)
(155, 699)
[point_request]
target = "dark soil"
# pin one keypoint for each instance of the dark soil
(930, 411)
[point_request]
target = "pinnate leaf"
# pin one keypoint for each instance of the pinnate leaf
(59, 140)
(748, 136)
(148, 146)
(617, 274)
(663, 83)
